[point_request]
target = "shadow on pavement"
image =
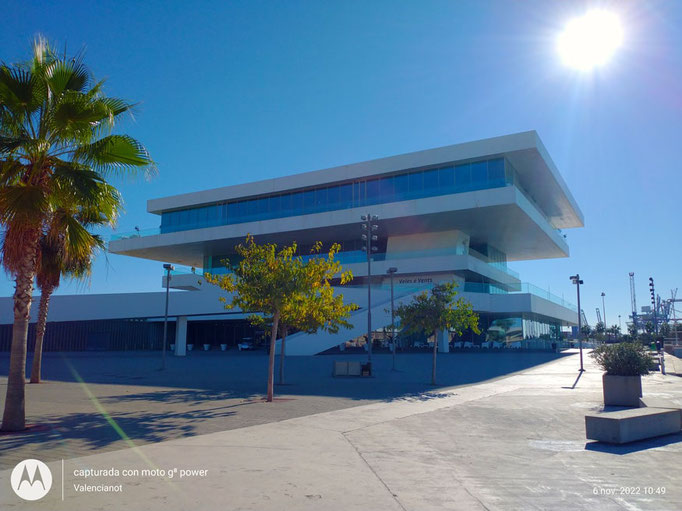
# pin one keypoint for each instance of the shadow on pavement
(244, 375)
(97, 430)
(642, 445)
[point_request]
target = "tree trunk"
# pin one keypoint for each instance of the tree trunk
(40, 334)
(271, 363)
(14, 415)
(281, 357)
(435, 350)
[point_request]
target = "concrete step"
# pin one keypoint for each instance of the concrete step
(633, 424)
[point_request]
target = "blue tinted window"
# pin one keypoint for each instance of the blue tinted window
(320, 199)
(185, 217)
(202, 216)
(346, 195)
(373, 191)
(297, 203)
(462, 177)
(431, 180)
(401, 185)
(308, 201)
(479, 172)
(333, 197)
(285, 203)
(496, 170)
(359, 193)
(446, 178)
(416, 183)
(250, 209)
(232, 212)
(386, 189)
(274, 206)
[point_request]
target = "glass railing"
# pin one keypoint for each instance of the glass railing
(497, 266)
(359, 256)
(523, 287)
(137, 233)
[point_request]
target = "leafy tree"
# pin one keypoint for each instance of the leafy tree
(56, 143)
(614, 331)
(586, 330)
(67, 249)
(316, 307)
(436, 311)
(275, 282)
(599, 331)
(633, 331)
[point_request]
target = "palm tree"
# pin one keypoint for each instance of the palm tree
(68, 249)
(56, 143)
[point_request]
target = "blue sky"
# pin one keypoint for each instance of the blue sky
(231, 92)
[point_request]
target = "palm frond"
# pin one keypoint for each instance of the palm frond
(23, 205)
(18, 87)
(67, 74)
(116, 153)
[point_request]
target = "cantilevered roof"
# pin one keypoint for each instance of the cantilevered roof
(537, 174)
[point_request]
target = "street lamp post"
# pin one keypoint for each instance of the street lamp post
(576, 280)
(391, 271)
(368, 237)
(603, 308)
(169, 268)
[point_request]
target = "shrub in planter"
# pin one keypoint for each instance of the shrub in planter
(624, 363)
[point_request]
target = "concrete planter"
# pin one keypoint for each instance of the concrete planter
(622, 390)
(223, 347)
(172, 347)
(207, 347)
(190, 347)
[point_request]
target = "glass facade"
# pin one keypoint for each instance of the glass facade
(415, 184)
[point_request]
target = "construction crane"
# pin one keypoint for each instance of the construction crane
(583, 318)
(633, 299)
(599, 316)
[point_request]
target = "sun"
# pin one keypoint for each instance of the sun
(590, 40)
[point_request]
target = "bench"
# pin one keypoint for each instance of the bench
(344, 368)
(633, 424)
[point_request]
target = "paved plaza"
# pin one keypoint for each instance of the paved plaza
(208, 392)
(514, 442)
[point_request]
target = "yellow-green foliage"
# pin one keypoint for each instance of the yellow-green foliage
(271, 281)
(438, 310)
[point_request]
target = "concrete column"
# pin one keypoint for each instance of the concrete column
(181, 336)
(443, 339)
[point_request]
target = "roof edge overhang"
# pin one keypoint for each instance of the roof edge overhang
(524, 150)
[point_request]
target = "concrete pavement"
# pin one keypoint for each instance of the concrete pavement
(513, 443)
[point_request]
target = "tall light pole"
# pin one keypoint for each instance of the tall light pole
(391, 271)
(603, 308)
(169, 268)
(369, 237)
(576, 280)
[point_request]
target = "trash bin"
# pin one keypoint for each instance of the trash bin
(367, 369)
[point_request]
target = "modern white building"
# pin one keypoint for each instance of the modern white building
(459, 212)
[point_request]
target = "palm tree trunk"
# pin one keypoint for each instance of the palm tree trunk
(281, 357)
(40, 334)
(433, 370)
(14, 415)
(271, 362)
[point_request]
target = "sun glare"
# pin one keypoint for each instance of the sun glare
(590, 40)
